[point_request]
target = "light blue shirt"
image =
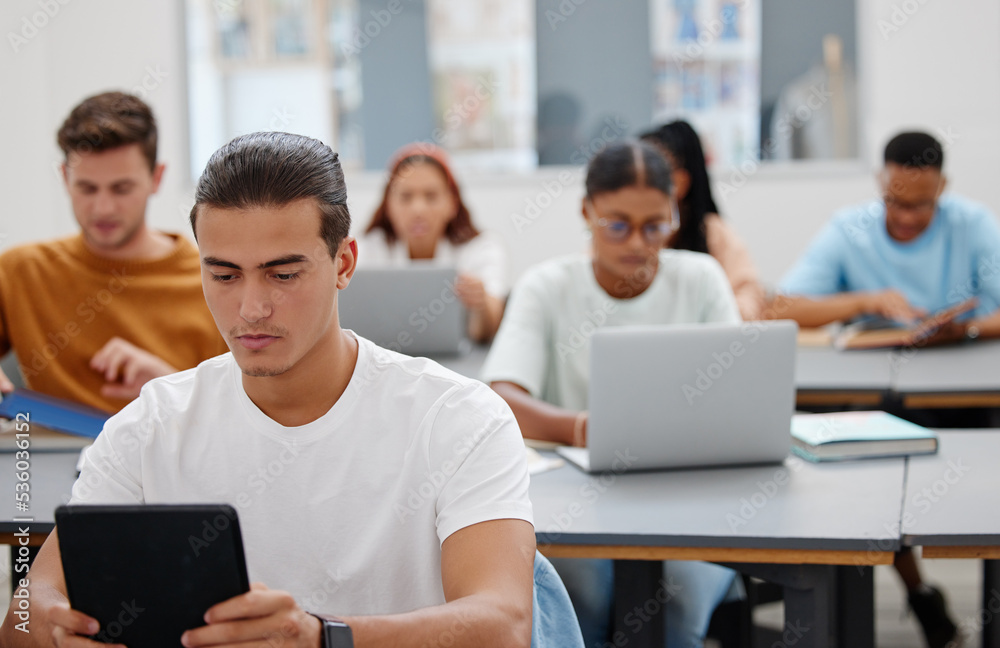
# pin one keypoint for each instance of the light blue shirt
(956, 257)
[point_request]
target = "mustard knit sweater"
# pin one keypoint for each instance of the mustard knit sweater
(60, 303)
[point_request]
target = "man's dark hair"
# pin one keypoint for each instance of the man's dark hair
(107, 121)
(271, 170)
(915, 149)
(626, 164)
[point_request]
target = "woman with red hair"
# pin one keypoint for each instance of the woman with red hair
(422, 217)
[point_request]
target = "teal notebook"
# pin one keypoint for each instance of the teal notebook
(857, 435)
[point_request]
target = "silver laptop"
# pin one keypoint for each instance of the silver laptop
(689, 396)
(413, 310)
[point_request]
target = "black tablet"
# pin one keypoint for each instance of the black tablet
(148, 573)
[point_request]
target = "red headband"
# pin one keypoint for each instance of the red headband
(427, 150)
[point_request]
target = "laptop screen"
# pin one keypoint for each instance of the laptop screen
(412, 310)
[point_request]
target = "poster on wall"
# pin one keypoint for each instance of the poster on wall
(706, 69)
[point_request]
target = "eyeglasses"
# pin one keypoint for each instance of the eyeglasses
(618, 230)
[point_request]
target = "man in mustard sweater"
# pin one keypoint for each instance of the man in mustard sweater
(95, 316)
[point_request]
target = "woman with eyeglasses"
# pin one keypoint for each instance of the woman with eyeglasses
(539, 361)
(701, 229)
(422, 218)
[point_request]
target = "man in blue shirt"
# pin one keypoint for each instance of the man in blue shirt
(914, 252)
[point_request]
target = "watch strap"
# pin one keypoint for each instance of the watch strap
(334, 633)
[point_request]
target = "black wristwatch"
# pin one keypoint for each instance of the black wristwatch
(336, 633)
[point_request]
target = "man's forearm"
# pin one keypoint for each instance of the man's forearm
(811, 312)
(989, 326)
(479, 620)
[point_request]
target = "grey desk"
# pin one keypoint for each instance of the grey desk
(951, 376)
(951, 506)
(51, 479)
(825, 376)
(788, 524)
(938, 377)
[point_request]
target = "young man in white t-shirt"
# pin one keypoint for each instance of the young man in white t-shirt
(380, 489)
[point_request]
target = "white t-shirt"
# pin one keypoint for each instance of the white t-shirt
(481, 257)
(347, 512)
(543, 343)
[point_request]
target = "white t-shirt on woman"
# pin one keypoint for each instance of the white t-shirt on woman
(543, 343)
(481, 257)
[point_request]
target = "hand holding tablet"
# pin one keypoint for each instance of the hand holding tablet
(148, 573)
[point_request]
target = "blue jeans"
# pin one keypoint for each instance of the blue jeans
(553, 620)
(694, 589)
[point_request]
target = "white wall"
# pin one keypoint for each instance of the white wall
(939, 71)
(81, 51)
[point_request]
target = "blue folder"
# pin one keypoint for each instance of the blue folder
(54, 413)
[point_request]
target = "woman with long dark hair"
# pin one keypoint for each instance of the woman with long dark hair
(422, 217)
(540, 366)
(701, 229)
